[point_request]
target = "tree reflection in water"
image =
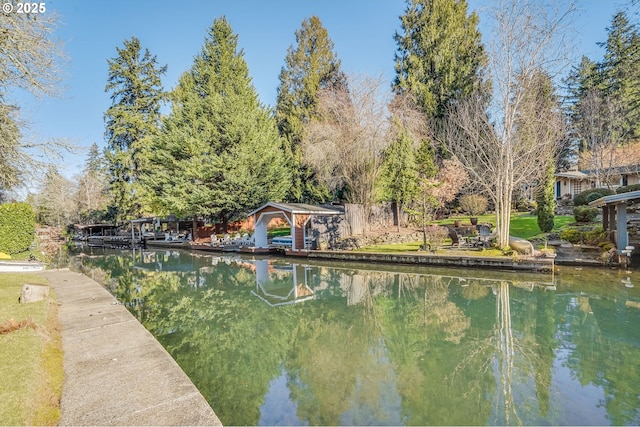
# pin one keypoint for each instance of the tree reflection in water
(349, 344)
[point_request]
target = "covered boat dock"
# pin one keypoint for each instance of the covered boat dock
(296, 214)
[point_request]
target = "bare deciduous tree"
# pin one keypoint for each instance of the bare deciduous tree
(601, 127)
(344, 145)
(484, 136)
(30, 59)
(55, 202)
(30, 55)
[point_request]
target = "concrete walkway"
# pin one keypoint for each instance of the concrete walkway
(116, 372)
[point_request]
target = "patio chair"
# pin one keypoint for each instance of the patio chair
(485, 236)
(245, 240)
(456, 239)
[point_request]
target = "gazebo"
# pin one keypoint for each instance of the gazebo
(296, 214)
(614, 216)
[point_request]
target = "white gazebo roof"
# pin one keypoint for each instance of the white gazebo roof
(297, 208)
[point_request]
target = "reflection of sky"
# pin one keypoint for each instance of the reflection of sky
(278, 409)
(384, 409)
(570, 403)
(577, 399)
(387, 409)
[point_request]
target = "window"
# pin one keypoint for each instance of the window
(577, 187)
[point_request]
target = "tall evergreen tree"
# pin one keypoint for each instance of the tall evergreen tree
(218, 153)
(545, 198)
(582, 82)
(134, 82)
(621, 74)
(400, 173)
(309, 67)
(439, 55)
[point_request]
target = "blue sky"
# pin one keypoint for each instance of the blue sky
(362, 32)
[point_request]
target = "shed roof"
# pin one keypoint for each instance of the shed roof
(615, 199)
(298, 208)
(97, 225)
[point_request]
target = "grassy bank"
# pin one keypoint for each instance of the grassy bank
(522, 225)
(31, 354)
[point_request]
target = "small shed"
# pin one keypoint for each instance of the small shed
(614, 216)
(296, 214)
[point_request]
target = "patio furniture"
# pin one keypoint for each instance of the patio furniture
(247, 241)
(485, 236)
(457, 239)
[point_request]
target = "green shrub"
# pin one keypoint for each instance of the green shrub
(587, 196)
(17, 227)
(595, 237)
(523, 204)
(571, 235)
(628, 188)
(584, 213)
(606, 246)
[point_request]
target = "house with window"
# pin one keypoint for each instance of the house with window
(570, 183)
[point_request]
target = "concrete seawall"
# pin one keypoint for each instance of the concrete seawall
(116, 372)
(498, 263)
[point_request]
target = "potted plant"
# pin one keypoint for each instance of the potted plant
(473, 204)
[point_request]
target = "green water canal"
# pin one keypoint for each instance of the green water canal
(283, 342)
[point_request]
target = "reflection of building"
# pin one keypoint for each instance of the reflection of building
(281, 284)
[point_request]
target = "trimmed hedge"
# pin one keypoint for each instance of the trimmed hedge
(17, 227)
(587, 196)
(584, 213)
(628, 188)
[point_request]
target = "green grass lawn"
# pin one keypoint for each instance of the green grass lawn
(31, 371)
(281, 231)
(523, 225)
(526, 226)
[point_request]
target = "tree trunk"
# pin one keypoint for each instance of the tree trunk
(424, 237)
(194, 228)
